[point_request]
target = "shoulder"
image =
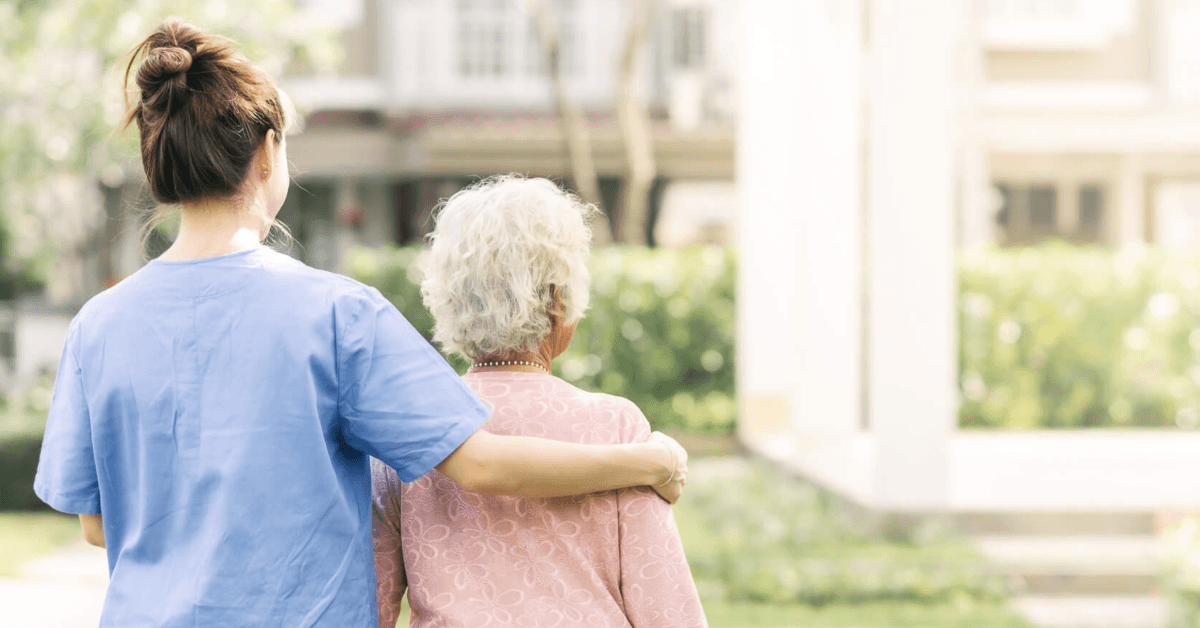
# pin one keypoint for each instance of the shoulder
(111, 304)
(347, 297)
(114, 298)
(631, 424)
(339, 287)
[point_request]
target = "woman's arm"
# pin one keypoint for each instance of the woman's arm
(390, 579)
(93, 529)
(535, 467)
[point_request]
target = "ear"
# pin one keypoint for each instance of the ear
(557, 311)
(266, 154)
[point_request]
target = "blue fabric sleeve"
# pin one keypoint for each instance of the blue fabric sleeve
(66, 474)
(398, 399)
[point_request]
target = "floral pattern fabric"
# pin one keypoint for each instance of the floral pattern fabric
(610, 559)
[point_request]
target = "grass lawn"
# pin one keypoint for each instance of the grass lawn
(900, 615)
(879, 615)
(28, 535)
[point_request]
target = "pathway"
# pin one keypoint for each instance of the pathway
(64, 589)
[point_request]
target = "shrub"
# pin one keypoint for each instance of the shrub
(1067, 337)
(22, 421)
(1054, 336)
(660, 331)
(755, 535)
(18, 466)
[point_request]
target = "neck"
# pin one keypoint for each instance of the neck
(216, 228)
(496, 362)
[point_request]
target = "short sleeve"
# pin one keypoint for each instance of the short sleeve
(398, 399)
(66, 474)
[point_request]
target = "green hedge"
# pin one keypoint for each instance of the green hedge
(18, 466)
(1067, 337)
(22, 421)
(755, 535)
(660, 331)
(1054, 336)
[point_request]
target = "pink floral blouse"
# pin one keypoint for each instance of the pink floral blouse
(471, 560)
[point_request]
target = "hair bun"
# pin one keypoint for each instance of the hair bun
(164, 67)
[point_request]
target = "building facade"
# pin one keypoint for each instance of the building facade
(938, 126)
(436, 94)
(1087, 122)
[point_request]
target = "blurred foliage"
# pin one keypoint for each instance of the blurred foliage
(27, 536)
(660, 330)
(753, 535)
(61, 97)
(1066, 337)
(964, 614)
(1182, 561)
(22, 421)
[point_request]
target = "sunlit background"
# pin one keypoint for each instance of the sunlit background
(916, 281)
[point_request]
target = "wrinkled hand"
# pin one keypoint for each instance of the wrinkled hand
(674, 487)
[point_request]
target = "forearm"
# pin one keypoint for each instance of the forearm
(536, 467)
(93, 529)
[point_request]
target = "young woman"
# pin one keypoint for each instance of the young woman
(215, 412)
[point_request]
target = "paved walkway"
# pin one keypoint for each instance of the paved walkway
(64, 589)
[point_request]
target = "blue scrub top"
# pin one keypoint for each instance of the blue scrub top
(220, 413)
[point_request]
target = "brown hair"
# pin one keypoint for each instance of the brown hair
(202, 112)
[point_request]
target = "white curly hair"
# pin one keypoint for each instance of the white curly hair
(497, 248)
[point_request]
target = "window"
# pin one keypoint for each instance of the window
(1043, 205)
(1028, 213)
(1004, 204)
(565, 13)
(688, 38)
(483, 37)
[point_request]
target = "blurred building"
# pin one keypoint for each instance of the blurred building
(877, 140)
(1088, 120)
(434, 94)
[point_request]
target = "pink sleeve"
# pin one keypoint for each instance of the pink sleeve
(656, 582)
(390, 579)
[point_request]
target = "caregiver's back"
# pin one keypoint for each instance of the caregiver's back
(218, 408)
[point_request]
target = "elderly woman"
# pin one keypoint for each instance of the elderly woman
(507, 282)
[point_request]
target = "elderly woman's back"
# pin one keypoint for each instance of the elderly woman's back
(506, 283)
(604, 559)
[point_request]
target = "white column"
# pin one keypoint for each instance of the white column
(911, 322)
(1131, 201)
(768, 321)
(800, 184)
(978, 198)
(826, 185)
(977, 215)
(1067, 218)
